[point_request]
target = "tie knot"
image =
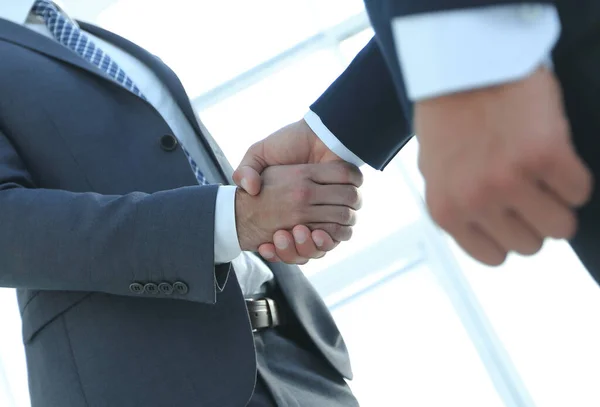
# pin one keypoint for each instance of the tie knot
(43, 7)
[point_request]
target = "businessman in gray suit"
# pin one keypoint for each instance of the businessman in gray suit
(131, 254)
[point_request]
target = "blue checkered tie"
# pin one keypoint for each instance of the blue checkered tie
(70, 35)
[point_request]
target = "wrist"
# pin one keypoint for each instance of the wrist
(330, 147)
(243, 213)
(320, 152)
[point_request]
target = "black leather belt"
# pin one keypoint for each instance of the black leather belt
(264, 313)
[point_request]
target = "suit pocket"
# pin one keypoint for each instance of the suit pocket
(45, 307)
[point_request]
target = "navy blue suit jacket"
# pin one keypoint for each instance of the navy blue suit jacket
(89, 205)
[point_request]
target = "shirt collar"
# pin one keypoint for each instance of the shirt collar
(17, 11)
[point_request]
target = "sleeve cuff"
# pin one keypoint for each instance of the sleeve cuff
(454, 51)
(332, 142)
(227, 245)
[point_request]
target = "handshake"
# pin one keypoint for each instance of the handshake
(299, 210)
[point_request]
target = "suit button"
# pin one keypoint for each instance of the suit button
(165, 288)
(181, 288)
(136, 288)
(168, 142)
(151, 288)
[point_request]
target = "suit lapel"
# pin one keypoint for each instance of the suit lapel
(27, 38)
(23, 36)
(172, 82)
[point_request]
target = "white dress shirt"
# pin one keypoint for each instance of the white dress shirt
(453, 51)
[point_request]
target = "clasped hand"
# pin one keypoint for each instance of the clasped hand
(301, 212)
(297, 199)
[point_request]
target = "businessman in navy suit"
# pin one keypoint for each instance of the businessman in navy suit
(132, 255)
(503, 97)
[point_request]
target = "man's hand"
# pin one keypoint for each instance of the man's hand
(500, 169)
(293, 144)
(319, 196)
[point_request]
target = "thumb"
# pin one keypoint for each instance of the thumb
(248, 179)
(247, 175)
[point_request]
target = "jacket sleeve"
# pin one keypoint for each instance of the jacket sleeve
(59, 240)
(364, 111)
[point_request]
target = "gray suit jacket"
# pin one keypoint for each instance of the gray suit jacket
(89, 205)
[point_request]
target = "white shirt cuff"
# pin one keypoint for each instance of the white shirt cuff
(453, 51)
(331, 141)
(227, 245)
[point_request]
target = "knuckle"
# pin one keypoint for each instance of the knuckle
(338, 232)
(334, 230)
(345, 216)
(359, 199)
(539, 156)
(352, 196)
(360, 178)
(502, 180)
(495, 184)
(256, 149)
(475, 200)
(302, 194)
(344, 172)
(538, 160)
(346, 233)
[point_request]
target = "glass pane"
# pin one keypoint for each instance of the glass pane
(351, 46)
(332, 12)
(210, 42)
(409, 348)
(13, 373)
(277, 100)
(545, 311)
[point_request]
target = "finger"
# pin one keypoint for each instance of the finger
(510, 231)
(248, 179)
(569, 178)
(305, 246)
(333, 231)
(347, 195)
(478, 244)
(267, 251)
(341, 215)
(323, 241)
(546, 213)
(285, 248)
(336, 172)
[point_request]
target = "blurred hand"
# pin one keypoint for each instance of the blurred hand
(500, 169)
(293, 144)
(321, 197)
